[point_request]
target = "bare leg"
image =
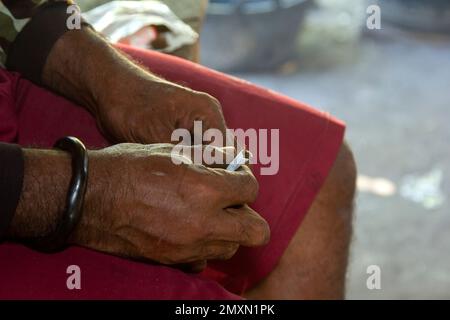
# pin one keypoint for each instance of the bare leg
(315, 262)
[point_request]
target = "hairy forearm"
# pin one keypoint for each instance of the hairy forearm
(47, 176)
(84, 67)
(46, 181)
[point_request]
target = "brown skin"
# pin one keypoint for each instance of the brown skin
(129, 103)
(139, 204)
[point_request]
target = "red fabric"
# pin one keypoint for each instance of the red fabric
(309, 142)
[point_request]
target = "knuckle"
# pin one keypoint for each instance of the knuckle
(210, 99)
(211, 102)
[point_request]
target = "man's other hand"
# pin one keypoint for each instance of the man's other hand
(129, 103)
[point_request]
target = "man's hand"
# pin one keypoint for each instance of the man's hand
(149, 110)
(141, 205)
(130, 103)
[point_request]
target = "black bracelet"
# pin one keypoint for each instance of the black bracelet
(57, 240)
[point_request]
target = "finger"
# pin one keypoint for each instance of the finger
(215, 119)
(240, 225)
(196, 258)
(209, 111)
(232, 143)
(219, 250)
(236, 187)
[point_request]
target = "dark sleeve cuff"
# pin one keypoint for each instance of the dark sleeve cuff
(11, 180)
(28, 53)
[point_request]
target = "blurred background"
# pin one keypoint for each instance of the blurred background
(389, 82)
(392, 88)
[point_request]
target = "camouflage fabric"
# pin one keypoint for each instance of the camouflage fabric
(14, 15)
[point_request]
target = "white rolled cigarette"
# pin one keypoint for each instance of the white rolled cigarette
(238, 161)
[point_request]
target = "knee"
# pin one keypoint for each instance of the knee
(340, 186)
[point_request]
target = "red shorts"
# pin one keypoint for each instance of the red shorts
(309, 143)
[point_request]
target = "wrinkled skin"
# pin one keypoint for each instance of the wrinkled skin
(173, 214)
